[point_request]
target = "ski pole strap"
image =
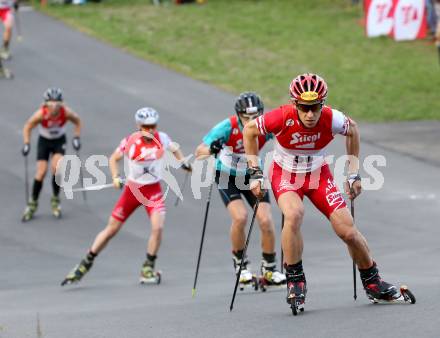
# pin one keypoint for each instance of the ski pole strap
(353, 178)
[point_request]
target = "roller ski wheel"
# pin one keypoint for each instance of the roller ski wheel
(407, 294)
(30, 210)
(252, 282)
(77, 273)
(296, 307)
(55, 206)
(402, 297)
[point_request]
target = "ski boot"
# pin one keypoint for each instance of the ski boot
(270, 276)
(5, 54)
(296, 290)
(30, 210)
(379, 291)
(77, 272)
(246, 276)
(5, 73)
(148, 275)
(55, 205)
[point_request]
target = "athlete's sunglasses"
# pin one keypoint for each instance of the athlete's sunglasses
(314, 108)
(149, 126)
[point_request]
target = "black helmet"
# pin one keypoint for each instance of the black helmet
(249, 103)
(53, 94)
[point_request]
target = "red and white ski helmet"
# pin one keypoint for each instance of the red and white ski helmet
(308, 88)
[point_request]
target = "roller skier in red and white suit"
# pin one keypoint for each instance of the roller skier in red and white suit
(302, 130)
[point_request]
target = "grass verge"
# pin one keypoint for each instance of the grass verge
(261, 45)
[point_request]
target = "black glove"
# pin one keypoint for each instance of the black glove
(256, 177)
(215, 147)
(76, 143)
(255, 173)
(186, 166)
(26, 149)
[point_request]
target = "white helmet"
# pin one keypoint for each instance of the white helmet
(146, 116)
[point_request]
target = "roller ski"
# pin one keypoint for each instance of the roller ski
(5, 54)
(247, 278)
(77, 272)
(148, 275)
(270, 276)
(5, 73)
(296, 289)
(55, 206)
(30, 210)
(381, 292)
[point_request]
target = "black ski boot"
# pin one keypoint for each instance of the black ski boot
(296, 287)
(376, 289)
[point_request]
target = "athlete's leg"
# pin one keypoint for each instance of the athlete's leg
(292, 207)
(237, 211)
(157, 222)
(157, 219)
(101, 240)
(9, 22)
(7, 35)
(39, 177)
(267, 228)
(343, 225)
(264, 218)
(41, 170)
(53, 166)
(43, 154)
(123, 208)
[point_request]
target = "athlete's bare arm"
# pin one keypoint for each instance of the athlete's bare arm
(202, 151)
(352, 143)
(74, 118)
(30, 124)
(175, 149)
(113, 162)
(250, 141)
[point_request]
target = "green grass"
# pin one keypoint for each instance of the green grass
(261, 45)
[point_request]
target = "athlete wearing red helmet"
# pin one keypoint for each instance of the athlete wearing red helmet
(302, 130)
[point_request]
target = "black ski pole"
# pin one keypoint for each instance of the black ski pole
(208, 202)
(354, 264)
(26, 178)
(244, 255)
(81, 177)
(183, 188)
(282, 253)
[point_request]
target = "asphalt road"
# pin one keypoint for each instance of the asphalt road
(106, 86)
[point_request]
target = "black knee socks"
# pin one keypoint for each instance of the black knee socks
(151, 259)
(36, 189)
(55, 187)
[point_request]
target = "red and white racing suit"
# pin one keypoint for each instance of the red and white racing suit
(53, 127)
(6, 15)
(143, 166)
(299, 159)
